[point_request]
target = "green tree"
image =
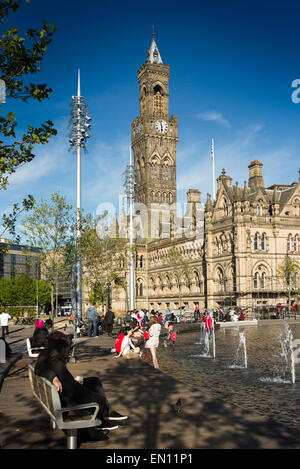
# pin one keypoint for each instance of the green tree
(52, 227)
(22, 291)
(289, 273)
(20, 57)
(103, 259)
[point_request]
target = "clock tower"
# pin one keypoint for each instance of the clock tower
(154, 137)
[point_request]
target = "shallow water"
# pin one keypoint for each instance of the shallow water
(265, 386)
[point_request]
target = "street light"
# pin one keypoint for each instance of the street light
(129, 186)
(79, 133)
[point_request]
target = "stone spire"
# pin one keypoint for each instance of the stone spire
(236, 193)
(208, 205)
(153, 53)
(245, 195)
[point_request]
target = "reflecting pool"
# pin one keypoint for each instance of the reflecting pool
(267, 382)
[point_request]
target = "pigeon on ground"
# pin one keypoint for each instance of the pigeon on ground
(177, 408)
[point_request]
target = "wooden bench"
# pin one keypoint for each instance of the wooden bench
(66, 418)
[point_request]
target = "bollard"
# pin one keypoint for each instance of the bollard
(2, 351)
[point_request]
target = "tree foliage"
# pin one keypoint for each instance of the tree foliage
(51, 227)
(289, 274)
(20, 57)
(103, 259)
(22, 290)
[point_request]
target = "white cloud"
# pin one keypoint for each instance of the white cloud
(215, 117)
(50, 159)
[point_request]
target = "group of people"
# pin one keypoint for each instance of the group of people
(219, 315)
(140, 329)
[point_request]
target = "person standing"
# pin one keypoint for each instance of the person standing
(109, 321)
(4, 317)
(91, 316)
(153, 341)
(196, 314)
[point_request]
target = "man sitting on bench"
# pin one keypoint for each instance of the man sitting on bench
(51, 364)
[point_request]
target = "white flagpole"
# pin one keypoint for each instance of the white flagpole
(132, 280)
(213, 168)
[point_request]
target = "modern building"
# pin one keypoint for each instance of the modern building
(19, 259)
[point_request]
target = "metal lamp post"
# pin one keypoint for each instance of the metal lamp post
(79, 133)
(129, 185)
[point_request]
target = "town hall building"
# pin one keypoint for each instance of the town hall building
(225, 253)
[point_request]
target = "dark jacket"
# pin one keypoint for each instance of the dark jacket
(109, 317)
(51, 363)
(39, 338)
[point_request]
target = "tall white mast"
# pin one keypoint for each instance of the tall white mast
(78, 206)
(129, 185)
(79, 133)
(132, 289)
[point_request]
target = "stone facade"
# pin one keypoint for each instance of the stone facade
(233, 246)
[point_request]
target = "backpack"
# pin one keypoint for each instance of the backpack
(119, 343)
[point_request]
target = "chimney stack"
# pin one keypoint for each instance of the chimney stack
(255, 174)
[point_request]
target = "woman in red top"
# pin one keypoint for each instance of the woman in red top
(119, 341)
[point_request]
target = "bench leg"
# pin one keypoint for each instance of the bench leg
(72, 439)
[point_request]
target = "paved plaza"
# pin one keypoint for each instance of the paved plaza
(135, 388)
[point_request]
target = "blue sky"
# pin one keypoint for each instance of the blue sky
(232, 67)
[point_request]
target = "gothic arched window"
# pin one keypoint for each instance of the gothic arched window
(263, 242)
(256, 280)
(263, 281)
(256, 242)
(158, 100)
(165, 172)
(197, 282)
(221, 280)
(225, 207)
(289, 243)
(296, 243)
(154, 170)
(296, 207)
(143, 100)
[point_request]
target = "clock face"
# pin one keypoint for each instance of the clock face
(161, 126)
(138, 129)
